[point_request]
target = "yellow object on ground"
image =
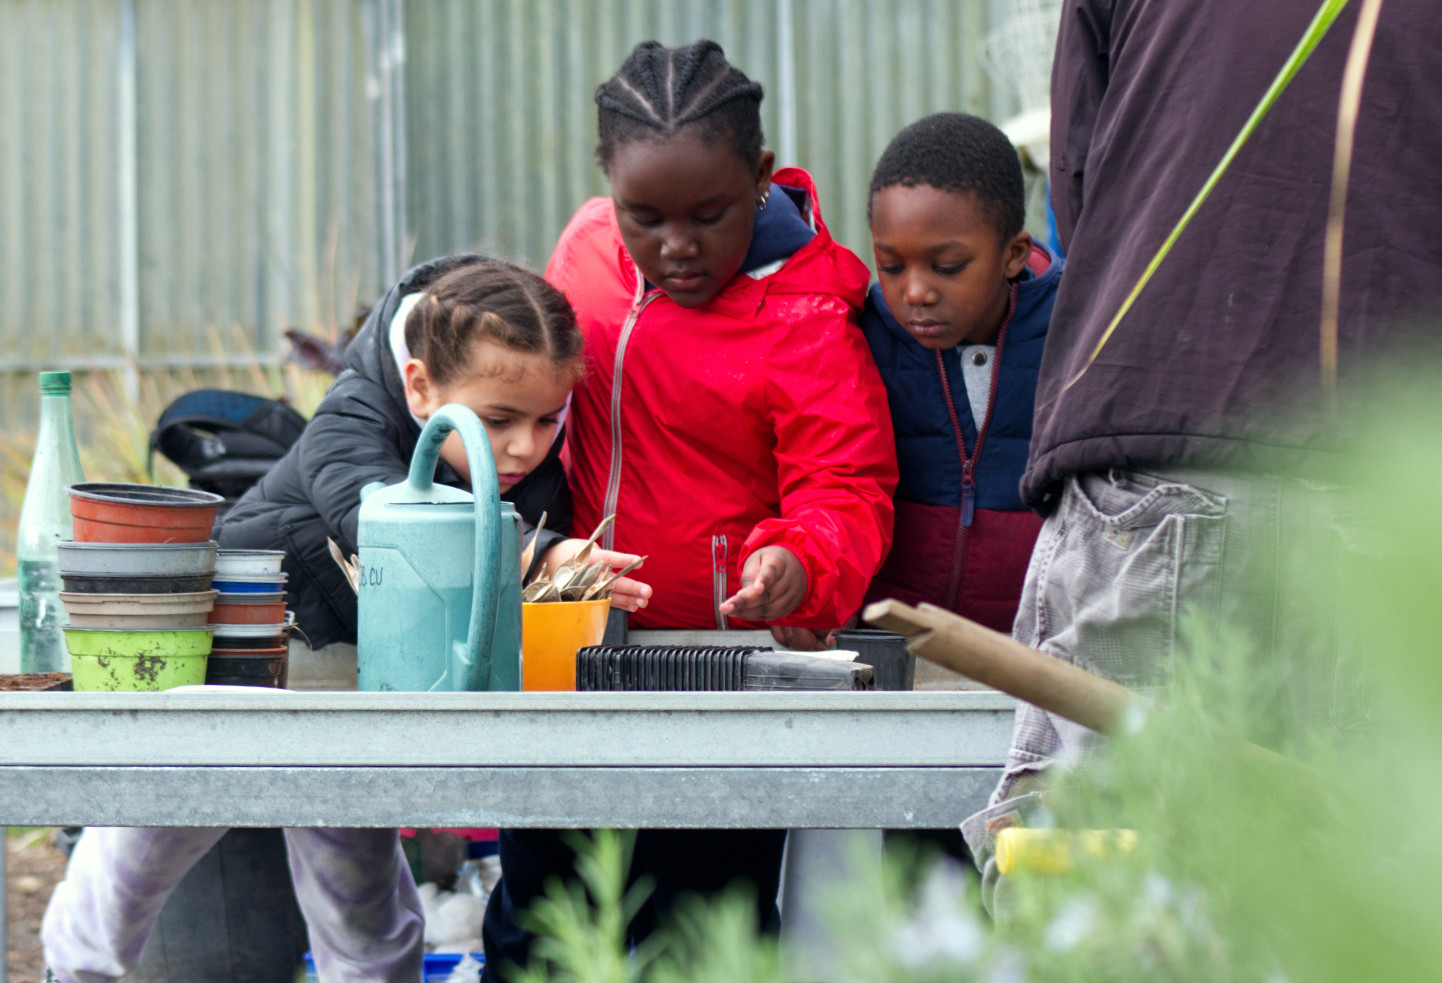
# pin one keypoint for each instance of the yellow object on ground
(1050, 851)
(551, 634)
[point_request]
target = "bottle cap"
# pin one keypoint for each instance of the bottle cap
(55, 383)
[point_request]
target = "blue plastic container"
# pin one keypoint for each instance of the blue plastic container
(249, 586)
(437, 967)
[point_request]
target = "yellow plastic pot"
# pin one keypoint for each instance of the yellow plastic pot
(551, 634)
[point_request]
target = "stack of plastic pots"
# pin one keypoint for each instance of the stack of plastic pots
(137, 581)
(251, 624)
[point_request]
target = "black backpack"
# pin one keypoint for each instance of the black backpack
(224, 441)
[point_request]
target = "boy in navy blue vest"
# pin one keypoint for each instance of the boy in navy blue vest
(956, 324)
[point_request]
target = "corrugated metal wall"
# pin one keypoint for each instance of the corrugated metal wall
(181, 179)
(59, 279)
(255, 194)
(500, 117)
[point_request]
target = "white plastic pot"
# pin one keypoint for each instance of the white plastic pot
(229, 563)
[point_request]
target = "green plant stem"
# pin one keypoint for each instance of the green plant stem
(1323, 20)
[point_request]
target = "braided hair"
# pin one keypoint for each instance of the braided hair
(660, 90)
(961, 153)
(495, 301)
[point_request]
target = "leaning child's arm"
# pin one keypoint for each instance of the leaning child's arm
(835, 464)
(340, 454)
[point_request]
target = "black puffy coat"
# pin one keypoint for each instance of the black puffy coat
(361, 432)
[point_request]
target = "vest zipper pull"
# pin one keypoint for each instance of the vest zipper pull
(968, 494)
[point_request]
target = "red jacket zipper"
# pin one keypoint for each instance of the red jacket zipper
(613, 477)
(969, 461)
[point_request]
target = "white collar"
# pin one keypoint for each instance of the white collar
(397, 337)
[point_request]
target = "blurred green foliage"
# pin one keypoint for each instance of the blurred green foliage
(1323, 865)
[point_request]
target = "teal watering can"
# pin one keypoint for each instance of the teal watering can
(440, 573)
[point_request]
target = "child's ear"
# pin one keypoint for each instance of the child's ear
(764, 167)
(1016, 252)
(420, 389)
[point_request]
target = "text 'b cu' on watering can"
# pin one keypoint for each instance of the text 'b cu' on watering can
(440, 578)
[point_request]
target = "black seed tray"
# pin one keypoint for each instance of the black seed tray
(662, 668)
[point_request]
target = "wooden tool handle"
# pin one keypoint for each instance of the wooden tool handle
(999, 661)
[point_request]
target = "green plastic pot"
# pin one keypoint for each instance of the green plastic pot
(111, 660)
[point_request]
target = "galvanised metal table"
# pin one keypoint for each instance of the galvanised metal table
(247, 757)
(224, 757)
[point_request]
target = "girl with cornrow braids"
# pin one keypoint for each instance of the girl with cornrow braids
(463, 329)
(731, 416)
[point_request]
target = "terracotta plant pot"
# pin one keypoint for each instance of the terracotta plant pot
(227, 597)
(241, 613)
(107, 512)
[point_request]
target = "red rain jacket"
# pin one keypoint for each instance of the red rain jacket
(757, 420)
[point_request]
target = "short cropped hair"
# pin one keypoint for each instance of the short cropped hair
(961, 153)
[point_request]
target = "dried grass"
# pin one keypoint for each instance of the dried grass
(114, 429)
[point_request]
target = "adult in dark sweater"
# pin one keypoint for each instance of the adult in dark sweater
(1216, 364)
(1168, 461)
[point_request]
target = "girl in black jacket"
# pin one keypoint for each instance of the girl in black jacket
(466, 330)
(463, 329)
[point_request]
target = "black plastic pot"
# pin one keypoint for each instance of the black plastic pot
(94, 584)
(228, 669)
(223, 641)
(885, 652)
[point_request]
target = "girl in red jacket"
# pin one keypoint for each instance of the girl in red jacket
(731, 417)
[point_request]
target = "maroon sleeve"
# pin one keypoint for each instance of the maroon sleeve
(1078, 82)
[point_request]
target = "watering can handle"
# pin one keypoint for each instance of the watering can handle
(485, 585)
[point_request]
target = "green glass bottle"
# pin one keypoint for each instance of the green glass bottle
(45, 521)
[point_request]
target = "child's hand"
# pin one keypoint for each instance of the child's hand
(811, 639)
(773, 584)
(628, 594)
